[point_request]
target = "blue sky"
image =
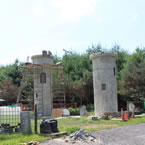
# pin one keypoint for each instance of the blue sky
(29, 26)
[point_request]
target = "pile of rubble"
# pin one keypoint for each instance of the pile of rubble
(80, 136)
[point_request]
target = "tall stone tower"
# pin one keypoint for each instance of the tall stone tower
(42, 72)
(104, 82)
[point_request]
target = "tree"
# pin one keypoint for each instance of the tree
(76, 66)
(94, 49)
(27, 88)
(8, 91)
(78, 72)
(12, 72)
(121, 60)
(11, 76)
(133, 76)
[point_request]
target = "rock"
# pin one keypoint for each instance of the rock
(90, 139)
(80, 136)
(83, 111)
(69, 139)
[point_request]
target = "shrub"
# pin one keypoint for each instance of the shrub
(139, 112)
(90, 107)
(74, 111)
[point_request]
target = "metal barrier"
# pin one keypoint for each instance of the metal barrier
(9, 118)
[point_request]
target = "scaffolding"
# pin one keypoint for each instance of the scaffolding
(19, 96)
(58, 87)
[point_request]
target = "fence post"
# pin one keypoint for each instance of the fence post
(35, 119)
(26, 122)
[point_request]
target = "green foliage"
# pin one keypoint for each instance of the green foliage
(90, 107)
(121, 59)
(56, 59)
(133, 76)
(78, 74)
(27, 89)
(14, 72)
(94, 49)
(10, 78)
(74, 111)
(139, 112)
(8, 91)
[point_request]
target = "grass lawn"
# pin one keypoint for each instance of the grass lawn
(68, 124)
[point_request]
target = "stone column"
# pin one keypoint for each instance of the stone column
(42, 70)
(104, 82)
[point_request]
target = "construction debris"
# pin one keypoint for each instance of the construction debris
(53, 134)
(31, 143)
(80, 136)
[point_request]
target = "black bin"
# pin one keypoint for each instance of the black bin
(48, 126)
(53, 124)
(45, 127)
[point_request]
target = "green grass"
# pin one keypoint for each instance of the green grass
(70, 125)
(83, 122)
(15, 139)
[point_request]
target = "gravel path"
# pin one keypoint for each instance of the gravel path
(128, 135)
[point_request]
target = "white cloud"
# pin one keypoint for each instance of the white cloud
(73, 9)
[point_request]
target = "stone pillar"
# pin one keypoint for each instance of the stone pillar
(25, 122)
(42, 71)
(104, 82)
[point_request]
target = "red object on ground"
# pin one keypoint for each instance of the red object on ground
(133, 116)
(122, 114)
(126, 116)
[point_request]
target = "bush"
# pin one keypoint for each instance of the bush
(90, 108)
(74, 111)
(139, 112)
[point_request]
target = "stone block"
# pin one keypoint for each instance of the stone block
(26, 122)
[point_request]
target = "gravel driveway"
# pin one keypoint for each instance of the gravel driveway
(128, 135)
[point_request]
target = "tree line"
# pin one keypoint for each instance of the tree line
(78, 76)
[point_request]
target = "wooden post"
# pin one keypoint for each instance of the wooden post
(35, 119)
(20, 88)
(128, 109)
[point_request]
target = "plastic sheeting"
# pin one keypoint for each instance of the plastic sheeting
(10, 110)
(66, 112)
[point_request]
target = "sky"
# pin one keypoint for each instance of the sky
(29, 26)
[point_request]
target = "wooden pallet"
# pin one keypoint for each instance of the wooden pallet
(54, 134)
